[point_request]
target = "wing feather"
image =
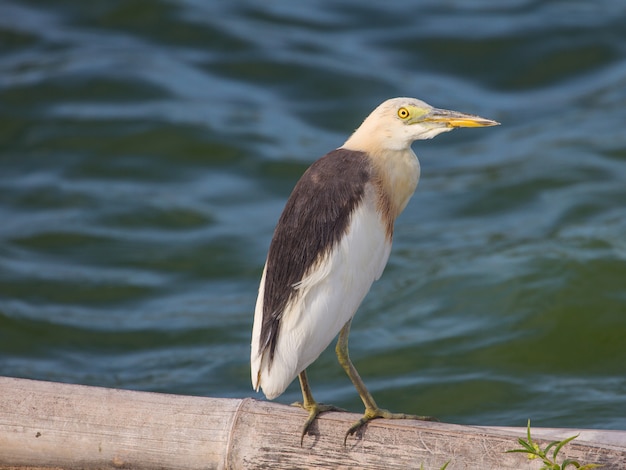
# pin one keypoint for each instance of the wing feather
(315, 217)
(329, 246)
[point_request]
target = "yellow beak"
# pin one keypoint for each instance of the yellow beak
(456, 119)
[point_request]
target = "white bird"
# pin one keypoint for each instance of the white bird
(332, 242)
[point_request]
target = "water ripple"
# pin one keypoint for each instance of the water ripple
(148, 148)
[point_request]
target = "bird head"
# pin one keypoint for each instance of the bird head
(398, 122)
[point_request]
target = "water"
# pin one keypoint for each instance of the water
(148, 147)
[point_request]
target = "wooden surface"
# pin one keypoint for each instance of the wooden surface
(44, 424)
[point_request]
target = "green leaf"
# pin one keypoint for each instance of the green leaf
(529, 446)
(549, 446)
(562, 443)
(550, 466)
(568, 462)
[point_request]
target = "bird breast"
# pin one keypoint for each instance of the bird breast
(397, 175)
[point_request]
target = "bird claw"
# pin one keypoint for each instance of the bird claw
(371, 414)
(314, 410)
(354, 428)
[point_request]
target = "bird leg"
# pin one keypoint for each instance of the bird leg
(372, 411)
(309, 404)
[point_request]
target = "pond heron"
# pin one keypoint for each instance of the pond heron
(332, 242)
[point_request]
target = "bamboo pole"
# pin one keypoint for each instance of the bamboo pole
(44, 424)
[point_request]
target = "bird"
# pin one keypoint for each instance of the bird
(331, 242)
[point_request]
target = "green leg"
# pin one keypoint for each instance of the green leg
(372, 411)
(310, 405)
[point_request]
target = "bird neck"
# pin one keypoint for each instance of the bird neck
(396, 168)
(397, 173)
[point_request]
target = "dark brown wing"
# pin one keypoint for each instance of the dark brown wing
(315, 218)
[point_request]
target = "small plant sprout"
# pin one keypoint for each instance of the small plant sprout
(533, 451)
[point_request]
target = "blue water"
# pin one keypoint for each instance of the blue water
(147, 149)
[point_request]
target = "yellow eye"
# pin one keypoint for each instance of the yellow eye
(403, 113)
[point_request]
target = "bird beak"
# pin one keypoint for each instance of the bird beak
(456, 119)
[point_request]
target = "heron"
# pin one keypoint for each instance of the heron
(331, 242)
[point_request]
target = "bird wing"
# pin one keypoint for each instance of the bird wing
(330, 244)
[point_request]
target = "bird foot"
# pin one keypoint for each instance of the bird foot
(314, 410)
(374, 413)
